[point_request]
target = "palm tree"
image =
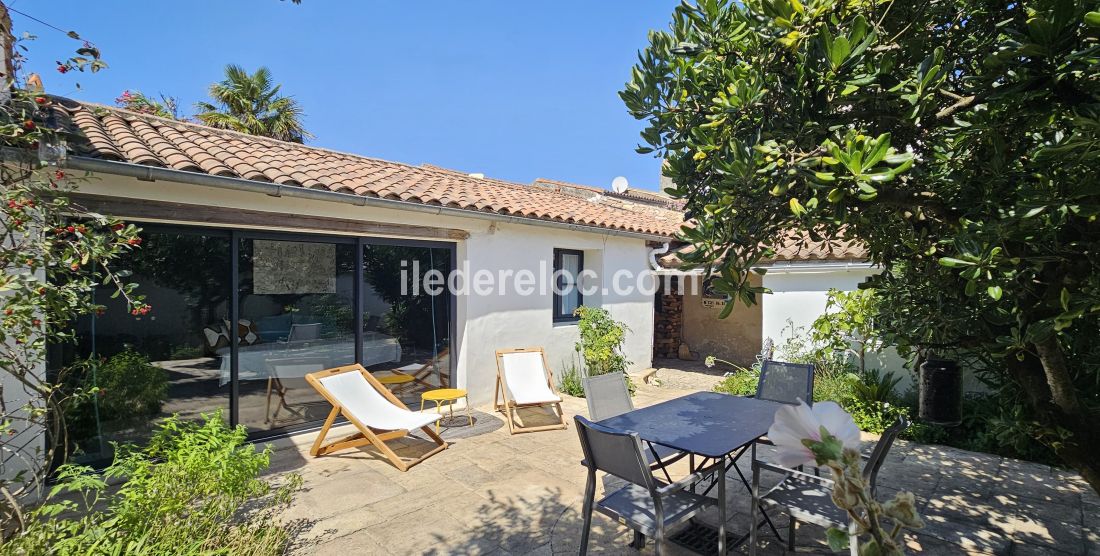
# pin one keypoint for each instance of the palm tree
(251, 104)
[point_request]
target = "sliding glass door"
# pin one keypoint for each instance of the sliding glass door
(296, 301)
(301, 303)
(142, 368)
(399, 310)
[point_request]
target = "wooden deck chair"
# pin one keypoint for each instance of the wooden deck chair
(421, 371)
(373, 409)
(524, 379)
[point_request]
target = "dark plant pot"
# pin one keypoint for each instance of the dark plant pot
(941, 392)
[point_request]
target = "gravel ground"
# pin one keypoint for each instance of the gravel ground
(675, 374)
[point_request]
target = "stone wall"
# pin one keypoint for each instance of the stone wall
(668, 322)
(736, 338)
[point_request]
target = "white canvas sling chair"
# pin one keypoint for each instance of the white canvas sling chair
(377, 414)
(524, 379)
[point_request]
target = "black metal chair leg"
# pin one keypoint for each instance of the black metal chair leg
(639, 541)
(589, 500)
(790, 533)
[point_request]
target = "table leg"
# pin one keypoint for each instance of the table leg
(439, 412)
(267, 409)
(722, 510)
(469, 415)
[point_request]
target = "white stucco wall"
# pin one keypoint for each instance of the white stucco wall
(798, 297)
(485, 323)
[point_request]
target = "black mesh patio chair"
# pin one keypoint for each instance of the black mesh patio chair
(808, 498)
(646, 504)
(786, 382)
(608, 396)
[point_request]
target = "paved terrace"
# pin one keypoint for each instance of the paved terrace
(494, 493)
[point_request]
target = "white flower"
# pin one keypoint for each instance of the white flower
(795, 423)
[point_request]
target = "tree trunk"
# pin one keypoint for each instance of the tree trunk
(1044, 380)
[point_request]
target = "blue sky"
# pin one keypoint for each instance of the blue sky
(516, 90)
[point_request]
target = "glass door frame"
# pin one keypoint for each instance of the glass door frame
(360, 242)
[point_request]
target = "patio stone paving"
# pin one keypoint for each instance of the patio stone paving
(499, 494)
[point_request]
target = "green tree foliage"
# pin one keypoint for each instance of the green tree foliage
(251, 103)
(848, 325)
(958, 140)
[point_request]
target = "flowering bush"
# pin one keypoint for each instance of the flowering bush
(136, 101)
(828, 436)
(53, 252)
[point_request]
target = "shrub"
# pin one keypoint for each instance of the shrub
(601, 341)
(130, 386)
(740, 382)
(125, 389)
(875, 386)
(571, 381)
(874, 416)
(833, 385)
(194, 489)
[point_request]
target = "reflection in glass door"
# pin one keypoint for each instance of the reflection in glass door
(297, 316)
(147, 367)
(302, 303)
(395, 309)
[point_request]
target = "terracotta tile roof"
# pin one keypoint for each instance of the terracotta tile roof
(566, 187)
(645, 201)
(650, 197)
(113, 134)
(795, 247)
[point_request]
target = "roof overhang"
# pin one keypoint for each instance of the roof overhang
(787, 267)
(153, 173)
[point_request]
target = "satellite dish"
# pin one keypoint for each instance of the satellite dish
(620, 185)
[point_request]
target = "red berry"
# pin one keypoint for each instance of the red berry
(135, 312)
(74, 267)
(118, 226)
(28, 125)
(8, 311)
(37, 322)
(41, 100)
(70, 229)
(59, 175)
(63, 68)
(41, 291)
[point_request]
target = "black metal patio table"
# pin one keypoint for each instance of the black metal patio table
(707, 424)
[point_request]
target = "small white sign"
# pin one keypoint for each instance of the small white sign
(711, 303)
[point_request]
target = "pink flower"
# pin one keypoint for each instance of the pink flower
(795, 423)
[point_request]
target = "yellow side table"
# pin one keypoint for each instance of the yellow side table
(392, 379)
(445, 396)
